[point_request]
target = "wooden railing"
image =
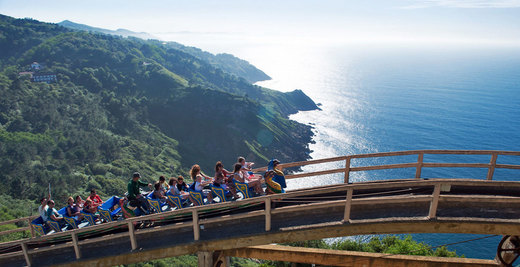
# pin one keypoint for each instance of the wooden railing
(419, 165)
(267, 211)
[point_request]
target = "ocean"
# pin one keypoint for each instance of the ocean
(379, 99)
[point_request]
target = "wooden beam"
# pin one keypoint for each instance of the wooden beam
(348, 205)
(26, 254)
(435, 201)
(420, 159)
(33, 234)
(492, 165)
(267, 214)
(384, 167)
(131, 233)
(196, 227)
(76, 246)
(347, 170)
(412, 226)
(14, 230)
(350, 258)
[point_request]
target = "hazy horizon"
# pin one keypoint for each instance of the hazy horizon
(210, 24)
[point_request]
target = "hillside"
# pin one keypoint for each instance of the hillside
(120, 105)
(226, 62)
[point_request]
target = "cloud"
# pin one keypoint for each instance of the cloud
(464, 4)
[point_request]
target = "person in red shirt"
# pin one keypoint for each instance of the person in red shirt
(95, 199)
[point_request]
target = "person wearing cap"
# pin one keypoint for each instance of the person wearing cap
(278, 175)
(134, 195)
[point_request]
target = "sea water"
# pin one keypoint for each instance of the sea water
(379, 99)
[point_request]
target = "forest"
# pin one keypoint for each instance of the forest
(121, 105)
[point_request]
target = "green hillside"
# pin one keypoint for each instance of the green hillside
(121, 105)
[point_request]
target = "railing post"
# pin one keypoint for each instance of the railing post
(26, 254)
(196, 227)
(76, 245)
(131, 232)
(32, 228)
(347, 169)
(419, 165)
(435, 201)
(348, 204)
(268, 214)
(492, 165)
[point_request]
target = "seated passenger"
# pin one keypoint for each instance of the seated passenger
(164, 185)
(272, 186)
(158, 192)
(278, 175)
(246, 170)
(134, 195)
(181, 185)
(42, 209)
(52, 213)
(73, 210)
(239, 176)
(174, 190)
(95, 199)
(79, 202)
(195, 171)
(227, 177)
(89, 207)
(198, 184)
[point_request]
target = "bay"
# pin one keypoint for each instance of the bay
(376, 98)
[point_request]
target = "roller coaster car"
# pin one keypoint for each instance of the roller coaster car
(156, 204)
(247, 192)
(90, 217)
(508, 250)
(197, 198)
(71, 221)
(176, 201)
(57, 226)
(39, 226)
(222, 194)
(107, 211)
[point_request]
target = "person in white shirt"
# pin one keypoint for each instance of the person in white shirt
(42, 209)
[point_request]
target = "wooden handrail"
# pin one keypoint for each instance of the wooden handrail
(435, 197)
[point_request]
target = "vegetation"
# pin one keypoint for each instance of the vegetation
(390, 244)
(125, 104)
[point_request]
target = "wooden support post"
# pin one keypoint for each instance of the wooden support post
(32, 228)
(435, 201)
(348, 205)
(492, 165)
(419, 165)
(26, 254)
(205, 258)
(268, 214)
(196, 227)
(131, 232)
(347, 170)
(76, 245)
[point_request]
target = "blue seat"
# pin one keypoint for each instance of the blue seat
(155, 203)
(246, 191)
(70, 220)
(105, 210)
(90, 217)
(197, 197)
(54, 225)
(220, 193)
(39, 226)
(175, 200)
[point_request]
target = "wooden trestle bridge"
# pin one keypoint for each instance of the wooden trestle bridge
(412, 205)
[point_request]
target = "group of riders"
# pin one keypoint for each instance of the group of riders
(136, 202)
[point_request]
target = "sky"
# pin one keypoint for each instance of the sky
(495, 22)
